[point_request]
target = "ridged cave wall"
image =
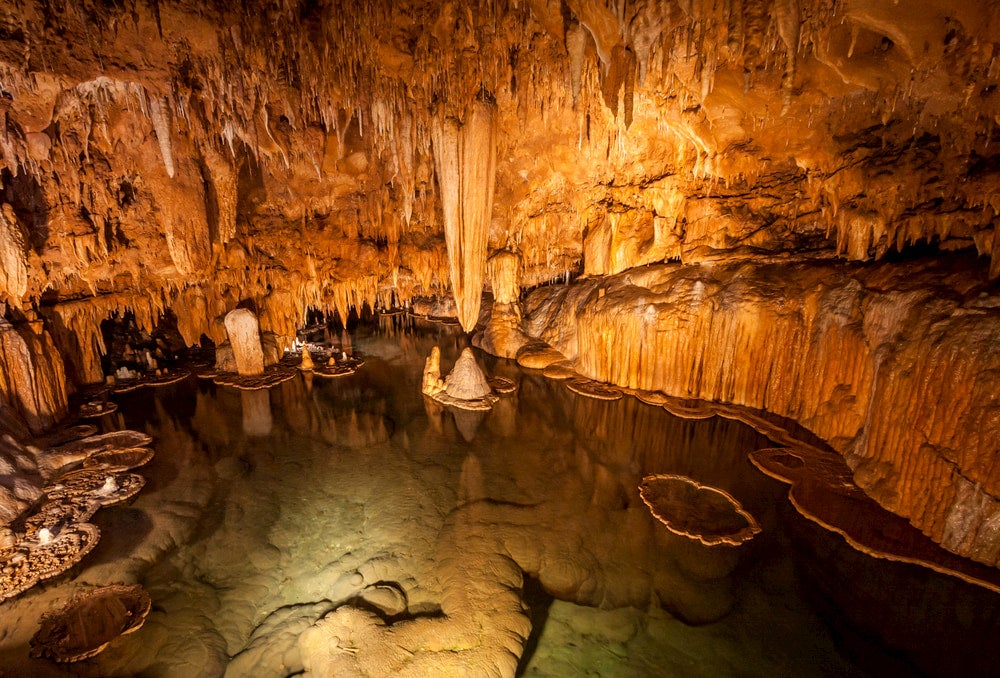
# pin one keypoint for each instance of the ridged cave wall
(789, 158)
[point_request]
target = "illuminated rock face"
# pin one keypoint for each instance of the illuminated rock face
(467, 381)
(244, 338)
(896, 368)
(32, 380)
(330, 155)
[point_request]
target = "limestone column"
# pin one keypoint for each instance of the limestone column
(244, 337)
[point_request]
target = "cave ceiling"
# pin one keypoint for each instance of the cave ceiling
(192, 155)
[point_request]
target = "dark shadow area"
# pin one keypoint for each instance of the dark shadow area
(538, 603)
(23, 192)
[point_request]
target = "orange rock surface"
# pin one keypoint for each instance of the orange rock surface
(291, 155)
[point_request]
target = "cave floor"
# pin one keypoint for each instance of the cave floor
(266, 512)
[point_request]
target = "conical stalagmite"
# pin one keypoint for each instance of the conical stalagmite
(466, 380)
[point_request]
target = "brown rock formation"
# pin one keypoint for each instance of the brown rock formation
(889, 370)
(32, 380)
(330, 155)
(244, 338)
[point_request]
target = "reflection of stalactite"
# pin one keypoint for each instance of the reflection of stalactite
(465, 160)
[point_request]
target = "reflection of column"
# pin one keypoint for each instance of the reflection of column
(256, 412)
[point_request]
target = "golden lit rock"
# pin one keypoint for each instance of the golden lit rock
(790, 206)
(245, 340)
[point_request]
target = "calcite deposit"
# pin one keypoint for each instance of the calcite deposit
(244, 338)
(891, 365)
(789, 205)
(88, 622)
(466, 386)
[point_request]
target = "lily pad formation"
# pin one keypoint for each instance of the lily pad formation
(335, 367)
(115, 440)
(159, 378)
(89, 622)
(824, 491)
(594, 389)
(120, 460)
(53, 534)
(35, 560)
(96, 408)
(272, 376)
(690, 509)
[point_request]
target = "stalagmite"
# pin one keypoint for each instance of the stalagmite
(465, 161)
(244, 337)
(502, 335)
(432, 383)
(466, 381)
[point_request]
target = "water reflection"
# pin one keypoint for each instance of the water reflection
(257, 420)
(330, 523)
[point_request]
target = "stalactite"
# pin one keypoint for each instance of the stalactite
(789, 22)
(504, 269)
(576, 45)
(465, 160)
(224, 182)
(159, 114)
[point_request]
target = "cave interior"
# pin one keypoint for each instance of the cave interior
(782, 213)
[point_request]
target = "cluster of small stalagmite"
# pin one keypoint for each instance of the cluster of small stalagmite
(295, 155)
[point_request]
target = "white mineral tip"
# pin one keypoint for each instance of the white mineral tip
(108, 487)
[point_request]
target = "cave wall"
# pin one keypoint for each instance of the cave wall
(33, 393)
(896, 367)
(193, 156)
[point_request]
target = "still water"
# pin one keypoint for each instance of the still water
(267, 511)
